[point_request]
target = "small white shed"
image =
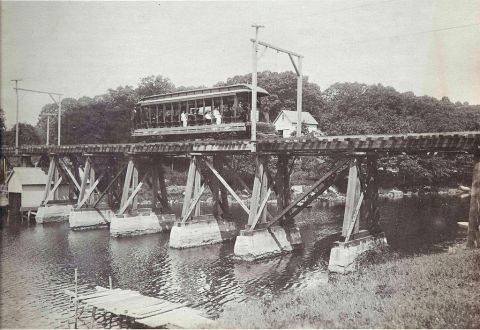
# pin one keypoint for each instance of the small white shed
(286, 122)
(30, 182)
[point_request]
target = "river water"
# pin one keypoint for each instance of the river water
(38, 261)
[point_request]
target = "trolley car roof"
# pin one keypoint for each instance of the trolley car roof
(198, 94)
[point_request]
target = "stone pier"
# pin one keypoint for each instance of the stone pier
(54, 212)
(90, 218)
(201, 230)
(343, 254)
(140, 222)
(266, 242)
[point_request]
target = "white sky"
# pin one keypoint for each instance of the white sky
(84, 48)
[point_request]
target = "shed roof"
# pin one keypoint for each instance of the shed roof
(29, 175)
(307, 117)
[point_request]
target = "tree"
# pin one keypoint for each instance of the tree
(27, 135)
(282, 87)
(153, 85)
(2, 125)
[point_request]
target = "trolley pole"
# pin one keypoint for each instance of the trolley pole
(253, 115)
(16, 125)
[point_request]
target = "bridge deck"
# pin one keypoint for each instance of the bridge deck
(410, 143)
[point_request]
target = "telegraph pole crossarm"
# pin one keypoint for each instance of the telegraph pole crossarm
(298, 70)
(58, 103)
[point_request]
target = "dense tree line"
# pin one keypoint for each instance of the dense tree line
(343, 108)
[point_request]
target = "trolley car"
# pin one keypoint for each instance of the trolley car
(208, 112)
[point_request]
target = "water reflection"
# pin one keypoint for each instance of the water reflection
(38, 260)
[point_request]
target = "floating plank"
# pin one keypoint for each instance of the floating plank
(183, 318)
(148, 311)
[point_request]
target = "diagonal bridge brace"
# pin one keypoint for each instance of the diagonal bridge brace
(312, 193)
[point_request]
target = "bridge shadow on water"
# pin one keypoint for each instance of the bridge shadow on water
(38, 260)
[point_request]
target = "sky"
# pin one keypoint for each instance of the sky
(429, 47)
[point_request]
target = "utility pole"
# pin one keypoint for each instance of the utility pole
(59, 104)
(16, 125)
(59, 116)
(48, 115)
(297, 65)
(253, 115)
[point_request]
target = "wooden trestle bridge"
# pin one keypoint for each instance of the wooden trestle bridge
(125, 168)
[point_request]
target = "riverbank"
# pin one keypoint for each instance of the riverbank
(389, 291)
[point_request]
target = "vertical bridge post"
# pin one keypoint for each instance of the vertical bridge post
(473, 234)
(51, 208)
(130, 219)
(195, 229)
(361, 204)
(352, 199)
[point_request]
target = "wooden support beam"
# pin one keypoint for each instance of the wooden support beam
(370, 212)
(196, 189)
(134, 194)
(237, 177)
(72, 189)
(86, 173)
(163, 189)
(194, 203)
(257, 188)
(115, 178)
(353, 193)
(56, 176)
(134, 201)
(263, 191)
(127, 182)
(260, 212)
(69, 173)
(91, 183)
(154, 187)
(354, 221)
(218, 163)
(89, 192)
(320, 186)
(190, 184)
(215, 189)
(52, 194)
(226, 185)
(48, 184)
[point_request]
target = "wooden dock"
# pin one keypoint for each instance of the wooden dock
(147, 311)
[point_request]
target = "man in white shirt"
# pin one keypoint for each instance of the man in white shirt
(218, 116)
(184, 119)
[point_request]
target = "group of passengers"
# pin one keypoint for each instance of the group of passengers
(197, 116)
(209, 117)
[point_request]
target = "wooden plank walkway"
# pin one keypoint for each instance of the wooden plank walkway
(410, 143)
(147, 311)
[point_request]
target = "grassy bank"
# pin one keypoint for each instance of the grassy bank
(428, 291)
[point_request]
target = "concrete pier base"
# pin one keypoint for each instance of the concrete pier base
(201, 230)
(142, 222)
(90, 218)
(262, 243)
(343, 255)
(53, 212)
